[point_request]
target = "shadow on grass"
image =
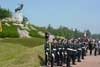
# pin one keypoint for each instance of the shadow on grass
(27, 42)
(42, 61)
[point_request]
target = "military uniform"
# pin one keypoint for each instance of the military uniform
(95, 48)
(79, 51)
(53, 53)
(47, 53)
(69, 53)
(90, 47)
(59, 54)
(99, 47)
(83, 50)
(73, 55)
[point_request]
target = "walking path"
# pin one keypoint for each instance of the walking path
(89, 61)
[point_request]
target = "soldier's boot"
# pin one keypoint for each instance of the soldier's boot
(58, 62)
(95, 52)
(68, 64)
(73, 62)
(90, 52)
(82, 57)
(45, 60)
(79, 60)
(52, 62)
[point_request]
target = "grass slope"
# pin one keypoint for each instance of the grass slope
(21, 52)
(9, 31)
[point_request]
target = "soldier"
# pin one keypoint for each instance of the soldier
(69, 53)
(74, 50)
(99, 47)
(95, 48)
(47, 53)
(83, 50)
(53, 52)
(46, 36)
(90, 47)
(79, 51)
(60, 52)
(65, 43)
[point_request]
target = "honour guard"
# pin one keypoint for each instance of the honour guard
(47, 53)
(79, 51)
(53, 52)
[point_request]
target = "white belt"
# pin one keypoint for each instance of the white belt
(54, 49)
(59, 48)
(83, 47)
(63, 48)
(47, 49)
(69, 49)
(79, 49)
(74, 50)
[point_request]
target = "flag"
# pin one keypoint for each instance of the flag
(0, 26)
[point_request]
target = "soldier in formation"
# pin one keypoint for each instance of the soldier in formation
(66, 52)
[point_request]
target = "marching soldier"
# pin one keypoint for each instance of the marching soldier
(90, 47)
(47, 53)
(46, 36)
(63, 52)
(60, 52)
(95, 48)
(69, 53)
(73, 56)
(65, 43)
(79, 51)
(53, 52)
(99, 47)
(83, 50)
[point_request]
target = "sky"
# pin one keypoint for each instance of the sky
(80, 14)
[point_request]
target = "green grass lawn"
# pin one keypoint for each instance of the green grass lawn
(18, 52)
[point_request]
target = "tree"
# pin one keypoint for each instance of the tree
(88, 33)
(96, 36)
(5, 13)
(50, 28)
(76, 33)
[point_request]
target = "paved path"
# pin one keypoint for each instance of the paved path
(89, 61)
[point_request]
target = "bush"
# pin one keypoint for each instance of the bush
(5, 13)
(34, 33)
(9, 31)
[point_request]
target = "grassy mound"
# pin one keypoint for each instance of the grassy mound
(9, 31)
(28, 42)
(21, 52)
(34, 33)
